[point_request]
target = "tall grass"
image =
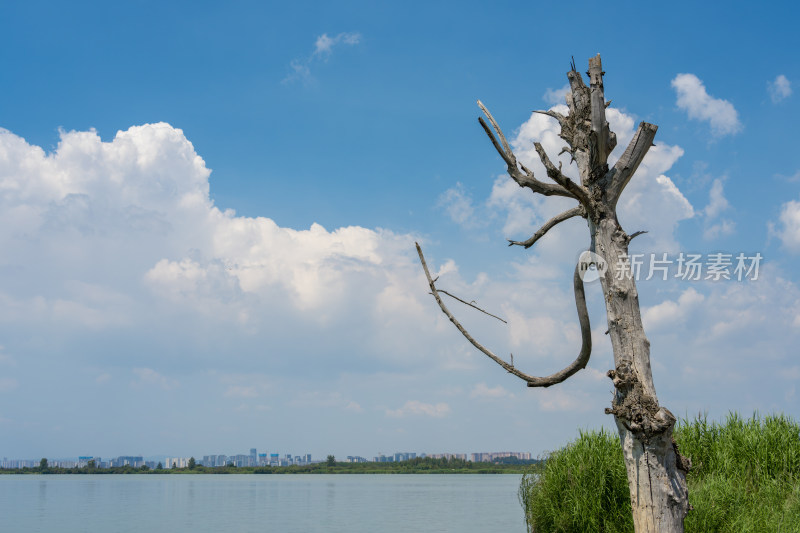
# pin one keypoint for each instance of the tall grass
(581, 487)
(745, 477)
(745, 474)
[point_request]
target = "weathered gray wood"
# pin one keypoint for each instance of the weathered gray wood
(604, 139)
(525, 177)
(578, 191)
(615, 180)
(533, 381)
(656, 470)
(566, 215)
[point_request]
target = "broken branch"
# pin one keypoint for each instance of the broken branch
(471, 305)
(623, 170)
(558, 116)
(636, 234)
(566, 215)
(532, 381)
(496, 128)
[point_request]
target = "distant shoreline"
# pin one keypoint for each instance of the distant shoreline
(245, 472)
(414, 466)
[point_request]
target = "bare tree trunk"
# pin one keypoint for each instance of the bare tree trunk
(656, 470)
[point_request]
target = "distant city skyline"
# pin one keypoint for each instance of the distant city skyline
(245, 460)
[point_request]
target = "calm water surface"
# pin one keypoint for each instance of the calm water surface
(265, 503)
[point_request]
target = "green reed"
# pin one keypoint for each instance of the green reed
(745, 477)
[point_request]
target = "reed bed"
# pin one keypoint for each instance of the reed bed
(745, 477)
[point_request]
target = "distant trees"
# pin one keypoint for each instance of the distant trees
(43, 464)
(514, 461)
(417, 465)
(192, 463)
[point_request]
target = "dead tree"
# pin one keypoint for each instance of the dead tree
(656, 470)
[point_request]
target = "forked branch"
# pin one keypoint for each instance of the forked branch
(532, 381)
(566, 215)
(555, 174)
(472, 305)
(524, 177)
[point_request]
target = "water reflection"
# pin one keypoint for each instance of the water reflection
(42, 506)
(268, 503)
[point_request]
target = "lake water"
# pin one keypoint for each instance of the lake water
(343, 503)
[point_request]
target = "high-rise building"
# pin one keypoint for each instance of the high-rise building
(128, 460)
(83, 460)
(489, 457)
(404, 456)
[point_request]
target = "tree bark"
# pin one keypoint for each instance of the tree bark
(656, 470)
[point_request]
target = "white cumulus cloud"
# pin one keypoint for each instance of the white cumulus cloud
(779, 89)
(324, 44)
(122, 235)
(482, 390)
(457, 203)
(323, 49)
(699, 105)
(788, 227)
(148, 376)
(717, 204)
(556, 96)
(671, 313)
(415, 407)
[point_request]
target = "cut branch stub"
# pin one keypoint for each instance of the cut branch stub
(532, 381)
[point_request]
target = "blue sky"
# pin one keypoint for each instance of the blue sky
(208, 216)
